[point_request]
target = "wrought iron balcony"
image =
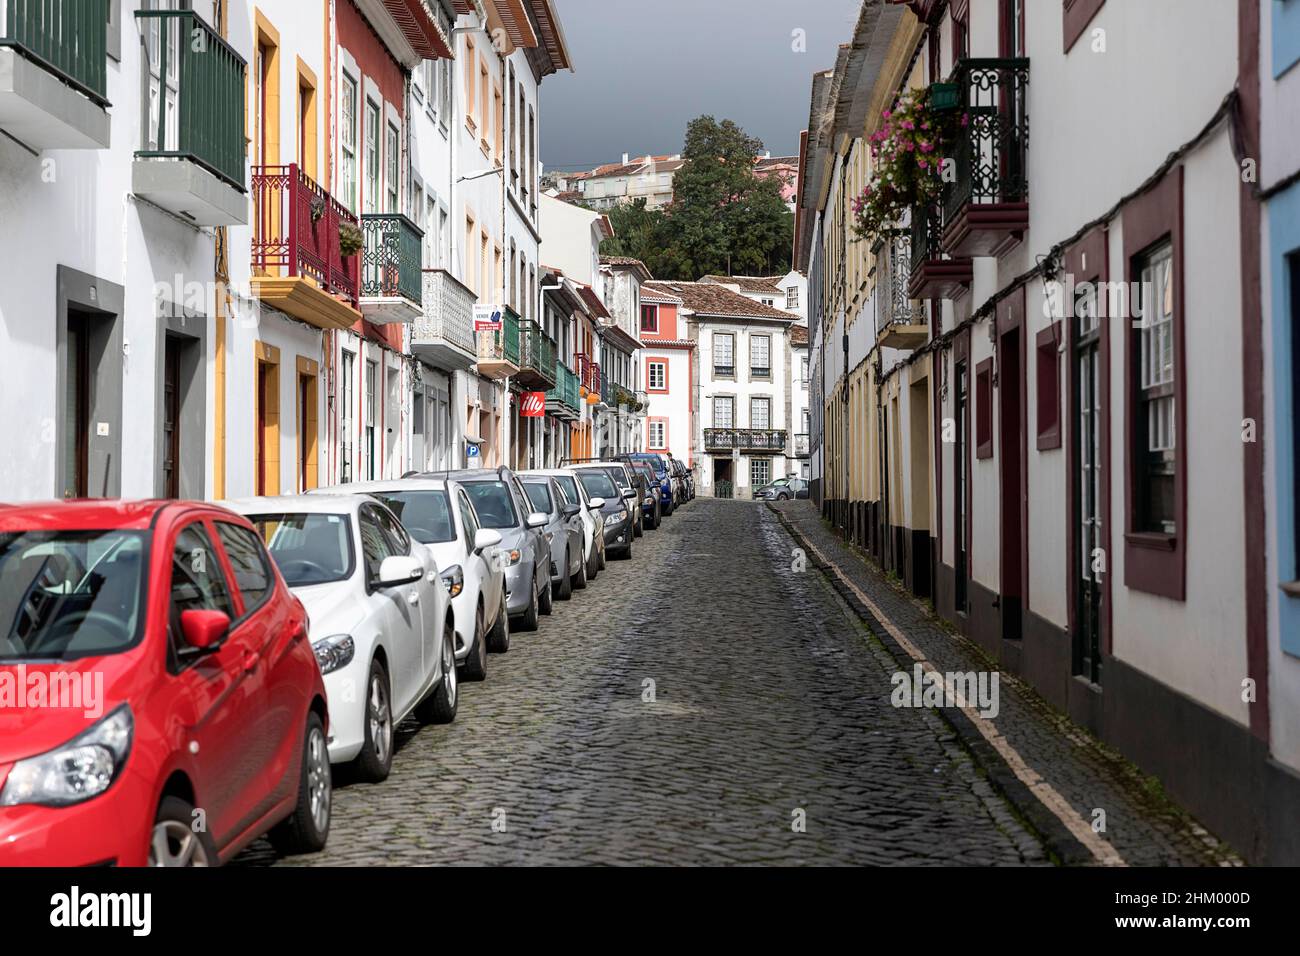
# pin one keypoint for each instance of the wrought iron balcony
(934, 275)
(745, 439)
(498, 349)
(536, 357)
(444, 336)
(986, 208)
(193, 119)
(297, 253)
(563, 400)
(66, 40)
(900, 321)
(588, 378)
(392, 283)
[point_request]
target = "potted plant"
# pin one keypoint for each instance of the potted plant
(317, 204)
(350, 239)
(907, 154)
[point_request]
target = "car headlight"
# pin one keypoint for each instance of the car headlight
(334, 652)
(84, 767)
(453, 579)
(617, 517)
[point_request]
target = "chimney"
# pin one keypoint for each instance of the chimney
(768, 154)
(625, 159)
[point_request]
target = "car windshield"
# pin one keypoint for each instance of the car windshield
(539, 495)
(492, 504)
(569, 485)
(308, 548)
(598, 485)
(69, 594)
(425, 514)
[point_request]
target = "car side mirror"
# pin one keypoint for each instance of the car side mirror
(595, 504)
(571, 510)
(204, 631)
(537, 520)
(629, 493)
(486, 538)
(398, 570)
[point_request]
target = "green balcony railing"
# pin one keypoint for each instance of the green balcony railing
(67, 37)
(194, 94)
(536, 354)
(565, 392)
(390, 259)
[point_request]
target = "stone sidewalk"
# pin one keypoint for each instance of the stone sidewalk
(1055, 773)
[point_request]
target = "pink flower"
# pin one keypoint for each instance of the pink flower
(927, 148)
(908, 124)
(920, 161)
(886, 114)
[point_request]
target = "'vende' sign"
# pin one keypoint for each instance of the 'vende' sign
(532, 404)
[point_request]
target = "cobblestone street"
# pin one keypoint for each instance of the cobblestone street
(770, 699)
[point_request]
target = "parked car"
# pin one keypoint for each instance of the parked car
(616, 511)
(661, 473)
(209, 694)
(688, 480)
(651, 508)
(563, 532)
(501, 504)
(439, 515)
(782, 489)
(381, 621)
(592, 530)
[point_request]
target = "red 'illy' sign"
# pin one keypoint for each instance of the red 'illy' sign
(532, 404)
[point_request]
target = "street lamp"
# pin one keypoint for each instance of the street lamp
(482, 173)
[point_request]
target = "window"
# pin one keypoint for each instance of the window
(348, 122)
(432, 254)
(984, 409)
(197, 581)
(470, 61)
(650, 319)
(803, 372)
(248, 559)
(657, 376)
(375, 545)
(724, 412)
(368, 437)
(760, 356)
(760, 412)
(1048, 387)
(483, 105)
(792, 297)
(394, 179)
(468, 520)
(347, 368)
(372, 156)
(657, 439)
(1078, 14)
(1154, 413)
(724, 354)
(760, 472)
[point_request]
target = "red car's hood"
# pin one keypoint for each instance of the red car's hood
(44, 705)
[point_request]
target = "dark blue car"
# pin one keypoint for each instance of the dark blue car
(661, 472)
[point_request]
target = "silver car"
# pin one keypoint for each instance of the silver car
(563, 532)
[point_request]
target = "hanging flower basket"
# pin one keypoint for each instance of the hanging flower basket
(350, 239)
(317, 209)
(907, 153)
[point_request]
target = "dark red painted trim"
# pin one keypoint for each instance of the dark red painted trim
(1047, 387)
(1088, 261)
(1077, 14)
(1156, 563)
(1252, 367)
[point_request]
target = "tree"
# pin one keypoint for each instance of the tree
(724, 219)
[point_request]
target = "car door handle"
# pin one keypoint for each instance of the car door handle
(250, 660)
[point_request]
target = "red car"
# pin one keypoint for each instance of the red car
(159, 700)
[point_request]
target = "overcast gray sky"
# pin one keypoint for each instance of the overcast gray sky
(644, 68)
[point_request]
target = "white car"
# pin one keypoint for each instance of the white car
(438, 513)
(593, 536)
(381, 622)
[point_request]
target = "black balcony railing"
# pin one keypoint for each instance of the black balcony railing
(894, 268)
(744, 439)
(989, 156)
(923, 237)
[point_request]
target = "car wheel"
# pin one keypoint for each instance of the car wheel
(627, 553)
(603, 561)
(579, 581)
(566, 583)
(593, 566)
(475, 666)
(175, 842)
(668, 510)
(308, 827)
(783, 497)
(375, 761)
(546, 604)
(528, 620)
(498, 641)
(440, 706)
